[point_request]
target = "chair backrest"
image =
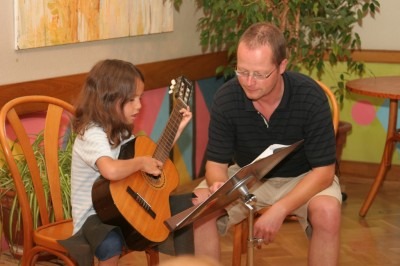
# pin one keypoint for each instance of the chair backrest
(48, 192)
(333, 103)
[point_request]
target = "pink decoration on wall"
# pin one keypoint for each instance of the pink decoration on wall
(34, 123)
(151, 104)
(363, 112)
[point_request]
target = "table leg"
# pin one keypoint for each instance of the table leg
(386, 161)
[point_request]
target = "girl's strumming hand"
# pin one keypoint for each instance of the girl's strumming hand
(151, 166)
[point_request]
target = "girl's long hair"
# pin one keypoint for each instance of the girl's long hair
(109, 85)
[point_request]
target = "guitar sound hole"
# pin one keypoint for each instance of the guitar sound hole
(155, 181)
(155, 176)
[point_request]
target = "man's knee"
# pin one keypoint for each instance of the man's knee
(324, 212)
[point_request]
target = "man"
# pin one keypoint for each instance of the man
(265, 105)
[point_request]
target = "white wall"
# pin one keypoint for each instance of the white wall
(40, 63)
(383, 31)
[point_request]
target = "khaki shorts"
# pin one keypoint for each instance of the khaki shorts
(267, 193)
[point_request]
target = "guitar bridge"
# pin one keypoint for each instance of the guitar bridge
(141, 201)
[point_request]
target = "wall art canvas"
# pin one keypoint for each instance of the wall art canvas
(40, 23)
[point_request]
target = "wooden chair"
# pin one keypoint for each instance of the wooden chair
(43, 239)
(240, 231)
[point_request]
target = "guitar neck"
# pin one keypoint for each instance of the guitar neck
(166, 140)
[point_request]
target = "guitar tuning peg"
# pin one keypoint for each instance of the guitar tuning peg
(171, 89)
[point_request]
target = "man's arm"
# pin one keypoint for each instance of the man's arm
(313, 182)
(216, 176)
(216, 173)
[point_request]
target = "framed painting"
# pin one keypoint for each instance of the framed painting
(40, 23)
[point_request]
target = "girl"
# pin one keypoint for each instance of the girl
(104, 119)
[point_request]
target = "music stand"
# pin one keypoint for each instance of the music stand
(235, 187)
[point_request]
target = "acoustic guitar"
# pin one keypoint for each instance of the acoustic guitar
(139, 203)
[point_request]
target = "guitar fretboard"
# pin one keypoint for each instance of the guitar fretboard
(166, 141)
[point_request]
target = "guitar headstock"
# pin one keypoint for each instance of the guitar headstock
(182, 88)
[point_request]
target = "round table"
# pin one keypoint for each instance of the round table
(381, 87)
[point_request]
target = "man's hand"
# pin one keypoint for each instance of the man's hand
(201, 194)
(268, 224)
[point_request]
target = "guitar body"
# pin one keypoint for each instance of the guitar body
(138, 204)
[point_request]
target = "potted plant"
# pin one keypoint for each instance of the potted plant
(9, 209)
(318, 33)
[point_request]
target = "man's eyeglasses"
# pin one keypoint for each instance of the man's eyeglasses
(255, 75)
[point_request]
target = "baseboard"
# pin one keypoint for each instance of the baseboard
(368, 170)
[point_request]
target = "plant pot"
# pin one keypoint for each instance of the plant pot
(12, 233)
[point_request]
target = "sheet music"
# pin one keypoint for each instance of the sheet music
(269, 151)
